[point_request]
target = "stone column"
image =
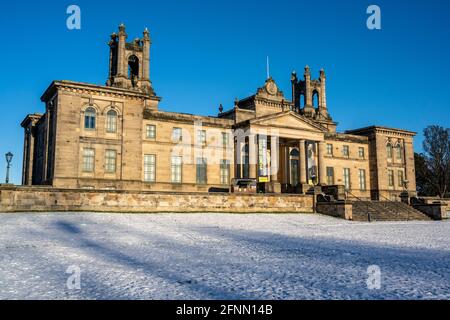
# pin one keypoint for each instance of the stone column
(302, 162)
(275, 186)
(122, 64)
(253, 156)
(25, 164)
(146, 55)
(321, 160)
(237, 173)
(282, 169)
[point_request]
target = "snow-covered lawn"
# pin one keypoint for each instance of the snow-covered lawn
(220, 256)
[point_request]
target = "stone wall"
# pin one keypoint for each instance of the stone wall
(16, 199)
(436, 211)
(436, 208)
(337, 209)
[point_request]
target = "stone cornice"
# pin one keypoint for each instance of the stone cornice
(383, 130)
(187, 118)
(87, 88)
(33, 118)
(346, 137)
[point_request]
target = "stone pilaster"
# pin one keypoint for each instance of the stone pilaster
(321, 160)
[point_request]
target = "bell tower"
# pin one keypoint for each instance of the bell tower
(309, 97)
(129, 62)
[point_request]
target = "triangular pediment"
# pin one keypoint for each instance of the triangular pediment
(288, 119)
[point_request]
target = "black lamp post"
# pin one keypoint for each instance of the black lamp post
(9, 157)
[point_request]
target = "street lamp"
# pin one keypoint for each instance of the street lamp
(9, 157)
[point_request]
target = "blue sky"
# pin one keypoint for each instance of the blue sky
(208, 52)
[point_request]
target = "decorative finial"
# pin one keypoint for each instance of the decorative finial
(294, 76)
(236, 102)
(122, 27)
(220, 108)
(113, 37)
(307, 71)
(146, 34)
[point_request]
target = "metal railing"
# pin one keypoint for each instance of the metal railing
(367, 202)
(395, 203)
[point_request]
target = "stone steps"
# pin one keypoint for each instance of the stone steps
(385, 211)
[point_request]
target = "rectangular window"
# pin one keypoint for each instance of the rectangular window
(362, 179)
(329, 149)
(347, 178)
(330, 176)
(151, 131)
(224, 172)
(391, 178)
(361, 152)
(88, 160)
(177, 134)
(149, 168)
(201, 137)
(176, 169)
(401, 180)
(389, 152)
(89, 118)
(201, 171)
(110, 161)
(345, 151)
(111, 121)
(225, 139)
(398, 152)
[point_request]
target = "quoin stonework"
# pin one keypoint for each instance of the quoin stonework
(114, 137)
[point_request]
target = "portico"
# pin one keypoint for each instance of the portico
(281, 152)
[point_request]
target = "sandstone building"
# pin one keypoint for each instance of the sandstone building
(115, 137)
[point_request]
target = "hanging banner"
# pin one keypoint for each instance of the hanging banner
(263, 174)
(311, 152)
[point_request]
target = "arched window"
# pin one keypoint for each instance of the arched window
(315, 99)
(294, 163)
(111, 121)
(295, 153)
(389, 151)
(89, 118)
(302, 101)
(133, 69)
(398, 152)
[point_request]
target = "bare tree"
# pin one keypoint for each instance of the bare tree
(433, 166)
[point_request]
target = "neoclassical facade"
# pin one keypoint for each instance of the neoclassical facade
(116, 137)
